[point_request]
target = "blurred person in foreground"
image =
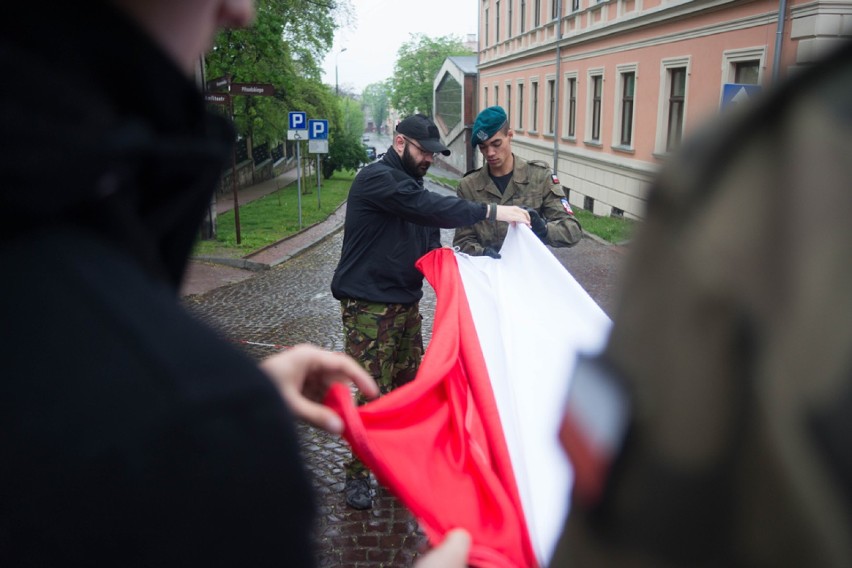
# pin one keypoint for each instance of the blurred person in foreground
(133, 435)
(391, 221)
(507, 179)
(733, 344)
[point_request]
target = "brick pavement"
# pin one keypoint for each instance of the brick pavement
(289, 302)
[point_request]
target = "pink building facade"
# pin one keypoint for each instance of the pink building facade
(606, 89)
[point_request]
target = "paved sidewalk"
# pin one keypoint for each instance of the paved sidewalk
(204, 275)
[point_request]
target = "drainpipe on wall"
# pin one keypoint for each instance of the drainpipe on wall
(556, 85)
(779, 37)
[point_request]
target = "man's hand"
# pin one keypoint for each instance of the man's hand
(451, 553)
(537, 224)
(512, 214)
(303, 375)
(488, 251)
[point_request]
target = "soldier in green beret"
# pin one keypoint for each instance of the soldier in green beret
(507, 179)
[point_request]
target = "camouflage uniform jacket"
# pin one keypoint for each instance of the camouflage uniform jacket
(734, 337)
(532, 185)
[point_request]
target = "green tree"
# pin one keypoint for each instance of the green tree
(284, 47)
(418, 61)
(345, 150)
(377, 97)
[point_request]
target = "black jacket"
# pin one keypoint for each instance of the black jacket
(391, 221)
(132, 435)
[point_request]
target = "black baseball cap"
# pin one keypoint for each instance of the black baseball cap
(421, 129)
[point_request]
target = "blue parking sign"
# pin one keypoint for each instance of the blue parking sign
(298, 120)
(318, 129)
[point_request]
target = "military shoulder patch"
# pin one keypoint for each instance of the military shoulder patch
(566, 206)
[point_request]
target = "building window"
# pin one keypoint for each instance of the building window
(523, 16)
(589, 203)
(677, 97)
(554, 9)
(571, 101)
(509, 19)
(625, 106)
(551, 106)
(496, 95)
(537, 12)
(575, 5)
(534, 107)
(747, 72)
(520, 106)
(485, 97)
(485, 42)
(595, 98)
(509, 104)
(448, 102)
(497, 22)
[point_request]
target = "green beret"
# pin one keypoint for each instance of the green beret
(488, 123)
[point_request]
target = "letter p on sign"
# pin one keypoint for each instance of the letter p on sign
(318, 129)
(298, 120)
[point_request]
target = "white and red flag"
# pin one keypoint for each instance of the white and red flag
(473, 441)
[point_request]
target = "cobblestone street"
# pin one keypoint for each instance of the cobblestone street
(290, 304)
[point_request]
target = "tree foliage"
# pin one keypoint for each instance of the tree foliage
(418, 61)
(376, 96)
(345, 151)
(284, 47)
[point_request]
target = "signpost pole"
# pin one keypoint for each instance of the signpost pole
(234, 178)
(319, 204)
(299, 177)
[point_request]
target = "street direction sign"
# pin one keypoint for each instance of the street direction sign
(318, 129)
(218, 83)
(217, 98)
(256, 89)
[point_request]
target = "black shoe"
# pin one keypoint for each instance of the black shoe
(358, 493)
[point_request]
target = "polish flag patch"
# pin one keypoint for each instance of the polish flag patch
(567, 206)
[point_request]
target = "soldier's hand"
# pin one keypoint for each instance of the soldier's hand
(512, 214)
(488, 251)
(537, 224)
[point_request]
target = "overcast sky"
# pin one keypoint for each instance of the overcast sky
(382, 26)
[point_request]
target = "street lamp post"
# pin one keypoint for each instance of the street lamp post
(336, 87)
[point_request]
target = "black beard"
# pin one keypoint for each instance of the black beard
(412, 166)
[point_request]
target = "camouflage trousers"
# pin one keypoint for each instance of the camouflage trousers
(387, 340)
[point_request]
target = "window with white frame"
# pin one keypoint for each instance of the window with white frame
(743, 66)
(485, 42)
(570, 117)
(537, 12)
(496, 94)
(671, 113)
(485, 97)
(575, 5)
(551, 107)
(533, 106)
(509, 104)
(554, 9)
(523, 16)
(624, 105)
(520, 106)
(509, 18)
(497, 22)
(595, 104)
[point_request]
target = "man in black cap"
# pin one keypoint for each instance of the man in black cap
(507, 179)
(391, 221)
